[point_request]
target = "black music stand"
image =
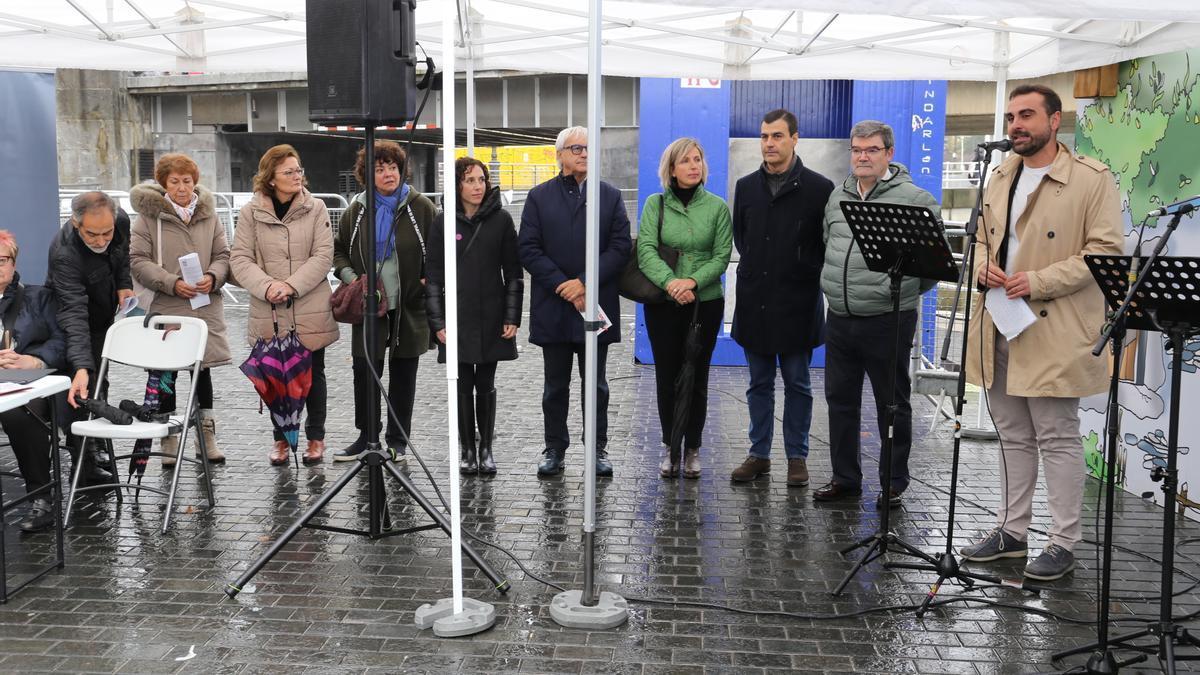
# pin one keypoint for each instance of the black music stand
(899, 240)
(1163, 297)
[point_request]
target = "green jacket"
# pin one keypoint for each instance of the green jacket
(702, 232)
(850, 288)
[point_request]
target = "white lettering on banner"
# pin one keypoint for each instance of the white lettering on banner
(919, 123)
(699, 83)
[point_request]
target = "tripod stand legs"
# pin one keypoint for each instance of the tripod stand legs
(377, 517)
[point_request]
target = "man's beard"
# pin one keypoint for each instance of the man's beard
(1034, 144)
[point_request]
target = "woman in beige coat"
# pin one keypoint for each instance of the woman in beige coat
(176, 217)
(282, 251)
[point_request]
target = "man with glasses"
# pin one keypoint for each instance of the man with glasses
(89, 273)
(861, 326)
(552, 244)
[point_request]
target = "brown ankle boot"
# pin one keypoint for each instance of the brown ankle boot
(751, 469)
(279, 453)
(208, 428)
(797, 475)
(314, 453)
(169, 446)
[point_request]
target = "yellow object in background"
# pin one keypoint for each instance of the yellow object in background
(516, 167)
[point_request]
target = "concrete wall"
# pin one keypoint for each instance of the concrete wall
(98, 124)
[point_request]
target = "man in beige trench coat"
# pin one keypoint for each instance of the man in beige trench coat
(1044, 209)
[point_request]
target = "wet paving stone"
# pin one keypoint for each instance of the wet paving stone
(760, 558)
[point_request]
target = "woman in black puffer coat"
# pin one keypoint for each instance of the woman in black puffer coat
(30, 339)
(490, 290)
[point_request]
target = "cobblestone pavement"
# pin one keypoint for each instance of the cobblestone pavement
(133, 600)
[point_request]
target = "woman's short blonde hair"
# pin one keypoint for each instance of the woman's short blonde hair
(675, 152)
(8, 241)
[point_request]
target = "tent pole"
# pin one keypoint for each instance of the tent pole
(456, 615)
(1000, 50)
(471, 106)
(595, 92)
(584, 609)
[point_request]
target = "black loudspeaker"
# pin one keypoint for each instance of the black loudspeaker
(361, 61)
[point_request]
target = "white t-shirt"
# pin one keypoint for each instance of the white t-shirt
(1029, 181)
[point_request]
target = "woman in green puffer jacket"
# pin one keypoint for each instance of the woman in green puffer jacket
(693, 225)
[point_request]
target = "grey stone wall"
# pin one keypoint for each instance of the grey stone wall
(98, 125)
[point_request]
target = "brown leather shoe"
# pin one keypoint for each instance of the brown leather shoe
(314, 453)
(797, 473)
(279, 453)
(751, 468)
(833, 492)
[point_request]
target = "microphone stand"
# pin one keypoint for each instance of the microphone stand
(947, 565)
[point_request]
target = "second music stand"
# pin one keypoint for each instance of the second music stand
(898, 240)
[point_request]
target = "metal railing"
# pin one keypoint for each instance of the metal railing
(960, 175)
(933, 377)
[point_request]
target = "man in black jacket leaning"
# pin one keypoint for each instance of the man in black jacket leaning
(89, 273)
(779, 317)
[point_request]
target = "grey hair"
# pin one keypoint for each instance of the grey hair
(869, 128)
(563, 137)
(675, 152)
(86, 202)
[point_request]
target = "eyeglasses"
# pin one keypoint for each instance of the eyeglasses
(292, 173)
(6, 260)
(870, 152)
(576, 149)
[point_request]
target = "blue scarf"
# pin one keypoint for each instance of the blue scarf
(385, 211)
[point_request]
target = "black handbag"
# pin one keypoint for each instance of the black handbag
(634, 285)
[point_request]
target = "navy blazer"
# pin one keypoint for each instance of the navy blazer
(781, 247)
(552, 245)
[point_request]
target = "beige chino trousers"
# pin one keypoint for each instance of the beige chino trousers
(1029, 426)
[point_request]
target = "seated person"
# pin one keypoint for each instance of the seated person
(31, 339)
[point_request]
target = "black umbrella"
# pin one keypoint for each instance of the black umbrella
(685, 382)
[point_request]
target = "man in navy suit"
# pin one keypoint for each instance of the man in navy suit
(552, 247)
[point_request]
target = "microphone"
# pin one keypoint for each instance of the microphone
(1185, 206)
(1003, 145)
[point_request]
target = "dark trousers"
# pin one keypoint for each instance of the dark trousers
(557, 359)
(315, 404)
(30, 442)
(855, 346)
(476, 378)
(402, 390)
(667, 324)
(204, 392)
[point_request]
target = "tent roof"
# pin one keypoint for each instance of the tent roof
(762, 39)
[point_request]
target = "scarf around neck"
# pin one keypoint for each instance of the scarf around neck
(185, 213)
(385, 210)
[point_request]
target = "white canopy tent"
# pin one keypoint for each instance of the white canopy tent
(757, 39)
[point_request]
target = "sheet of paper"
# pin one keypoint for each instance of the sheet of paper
(602, 318)
(12, 387)
(190, 270)
(128, 306)
(1011, 316)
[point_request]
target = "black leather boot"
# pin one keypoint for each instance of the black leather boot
(466, 435)
(485, 412)
(40, 516)
(91, 474)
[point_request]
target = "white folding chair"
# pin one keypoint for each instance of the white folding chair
(154, 342)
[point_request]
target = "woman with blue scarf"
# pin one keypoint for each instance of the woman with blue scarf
(401, 232)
